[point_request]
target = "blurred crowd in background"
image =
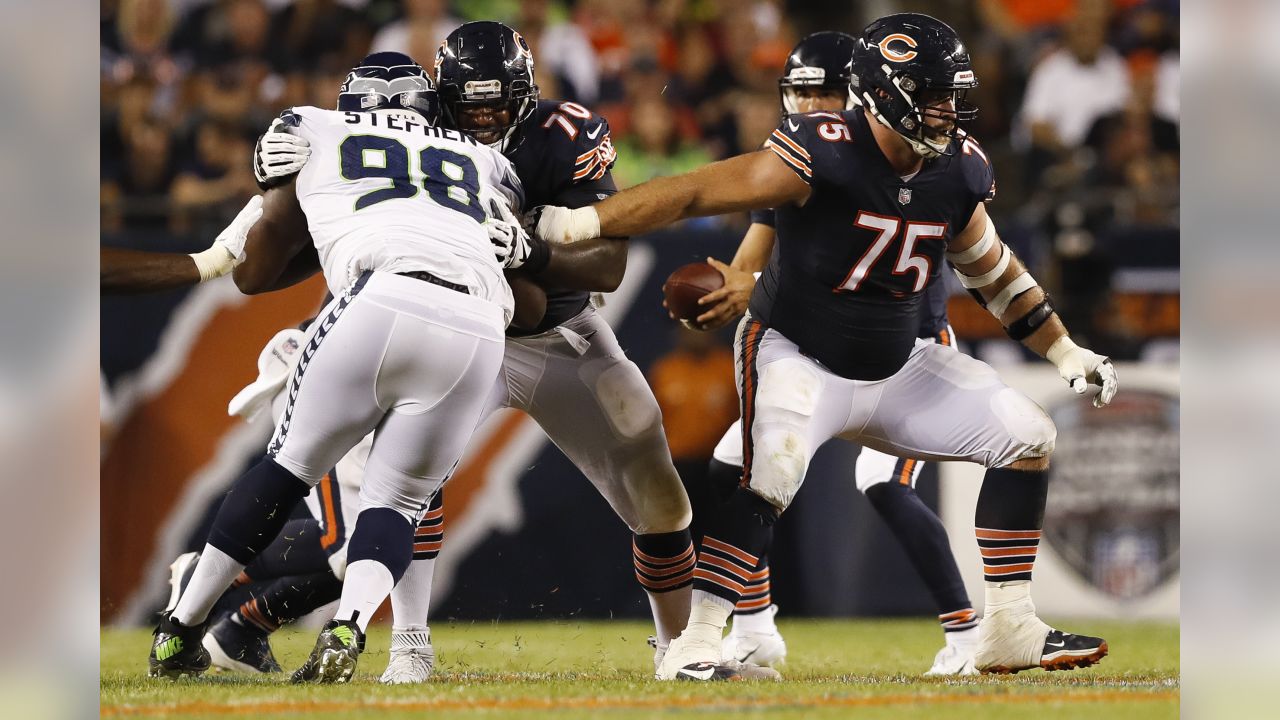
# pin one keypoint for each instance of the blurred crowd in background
(1078, 111)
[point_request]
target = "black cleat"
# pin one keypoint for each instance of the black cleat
(707, 672)
(1064, 651)
(233, 646)
(333, 659)
(176, 650)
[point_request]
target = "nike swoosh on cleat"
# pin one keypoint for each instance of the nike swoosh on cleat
(698, 671)
(1062, 643)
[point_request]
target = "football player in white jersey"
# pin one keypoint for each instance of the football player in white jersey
(392, 207)
(568, 373)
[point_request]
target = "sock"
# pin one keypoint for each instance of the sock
(756, 597)
(411, 597)
(378, 553)
(254, 512)
(921, 533)
(708, 614)
(295, 551)
(367, 584)
(664, 566)
(212, 576)
(1008, 520)
(740, 533)
(287, 599)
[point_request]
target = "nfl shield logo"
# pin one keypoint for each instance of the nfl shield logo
(904, 196)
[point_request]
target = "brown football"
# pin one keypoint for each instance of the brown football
(687, 285)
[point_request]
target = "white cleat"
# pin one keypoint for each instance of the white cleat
(412, 658)
(956, 657)
(754, 647)
(694, 656)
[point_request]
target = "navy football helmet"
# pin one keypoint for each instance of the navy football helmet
(487, 64)
(819, 60)
(389, 80)
(910, 68)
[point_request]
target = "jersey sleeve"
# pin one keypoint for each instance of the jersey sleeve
(595, 154)
(791, 142)
(299, 120)
(763, 217)
(580, 147)
(979, 175)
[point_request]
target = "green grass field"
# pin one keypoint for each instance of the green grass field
(837, 668)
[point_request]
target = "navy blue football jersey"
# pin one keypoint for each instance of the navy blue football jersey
(933, 311)
(847, 282)
(564, 160)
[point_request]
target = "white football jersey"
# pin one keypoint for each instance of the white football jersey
(383, 191)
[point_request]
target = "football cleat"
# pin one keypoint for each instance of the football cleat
(180, 572)
(412, 658)
(755, 648)
(1013, 639)
(694, 656)
(707, 672)
(1065, 651)
(956, 657)
(333, 659)
(176, 650)
(233, 646)
(751, 671)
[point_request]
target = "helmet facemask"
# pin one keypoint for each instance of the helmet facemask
(520, 100)
(906, 105)
(810, 77)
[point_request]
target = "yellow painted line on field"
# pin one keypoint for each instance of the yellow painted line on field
(587, 703)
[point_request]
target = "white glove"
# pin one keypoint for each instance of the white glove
(1082, 368)
(562, 225)
(227, 250)
(511, 243)
(278, 154)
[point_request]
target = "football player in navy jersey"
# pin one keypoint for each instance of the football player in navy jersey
(869, 202)
(568, 373)
(816, 78)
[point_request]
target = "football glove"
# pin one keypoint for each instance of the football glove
(227, 250)
(278, 156)
(511, 244)
(1081, 368)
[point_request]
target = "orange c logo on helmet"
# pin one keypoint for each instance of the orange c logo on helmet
(896, 55)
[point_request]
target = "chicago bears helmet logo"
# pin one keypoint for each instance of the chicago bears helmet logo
(522, 44)
(898, 55)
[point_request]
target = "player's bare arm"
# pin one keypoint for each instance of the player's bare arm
(274, 245)
(747, 182)
(730, 301)
(595, 265)
(988, 267)
(136, 271)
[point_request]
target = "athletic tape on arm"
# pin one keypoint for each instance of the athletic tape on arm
(976, 250)
(998, 304)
